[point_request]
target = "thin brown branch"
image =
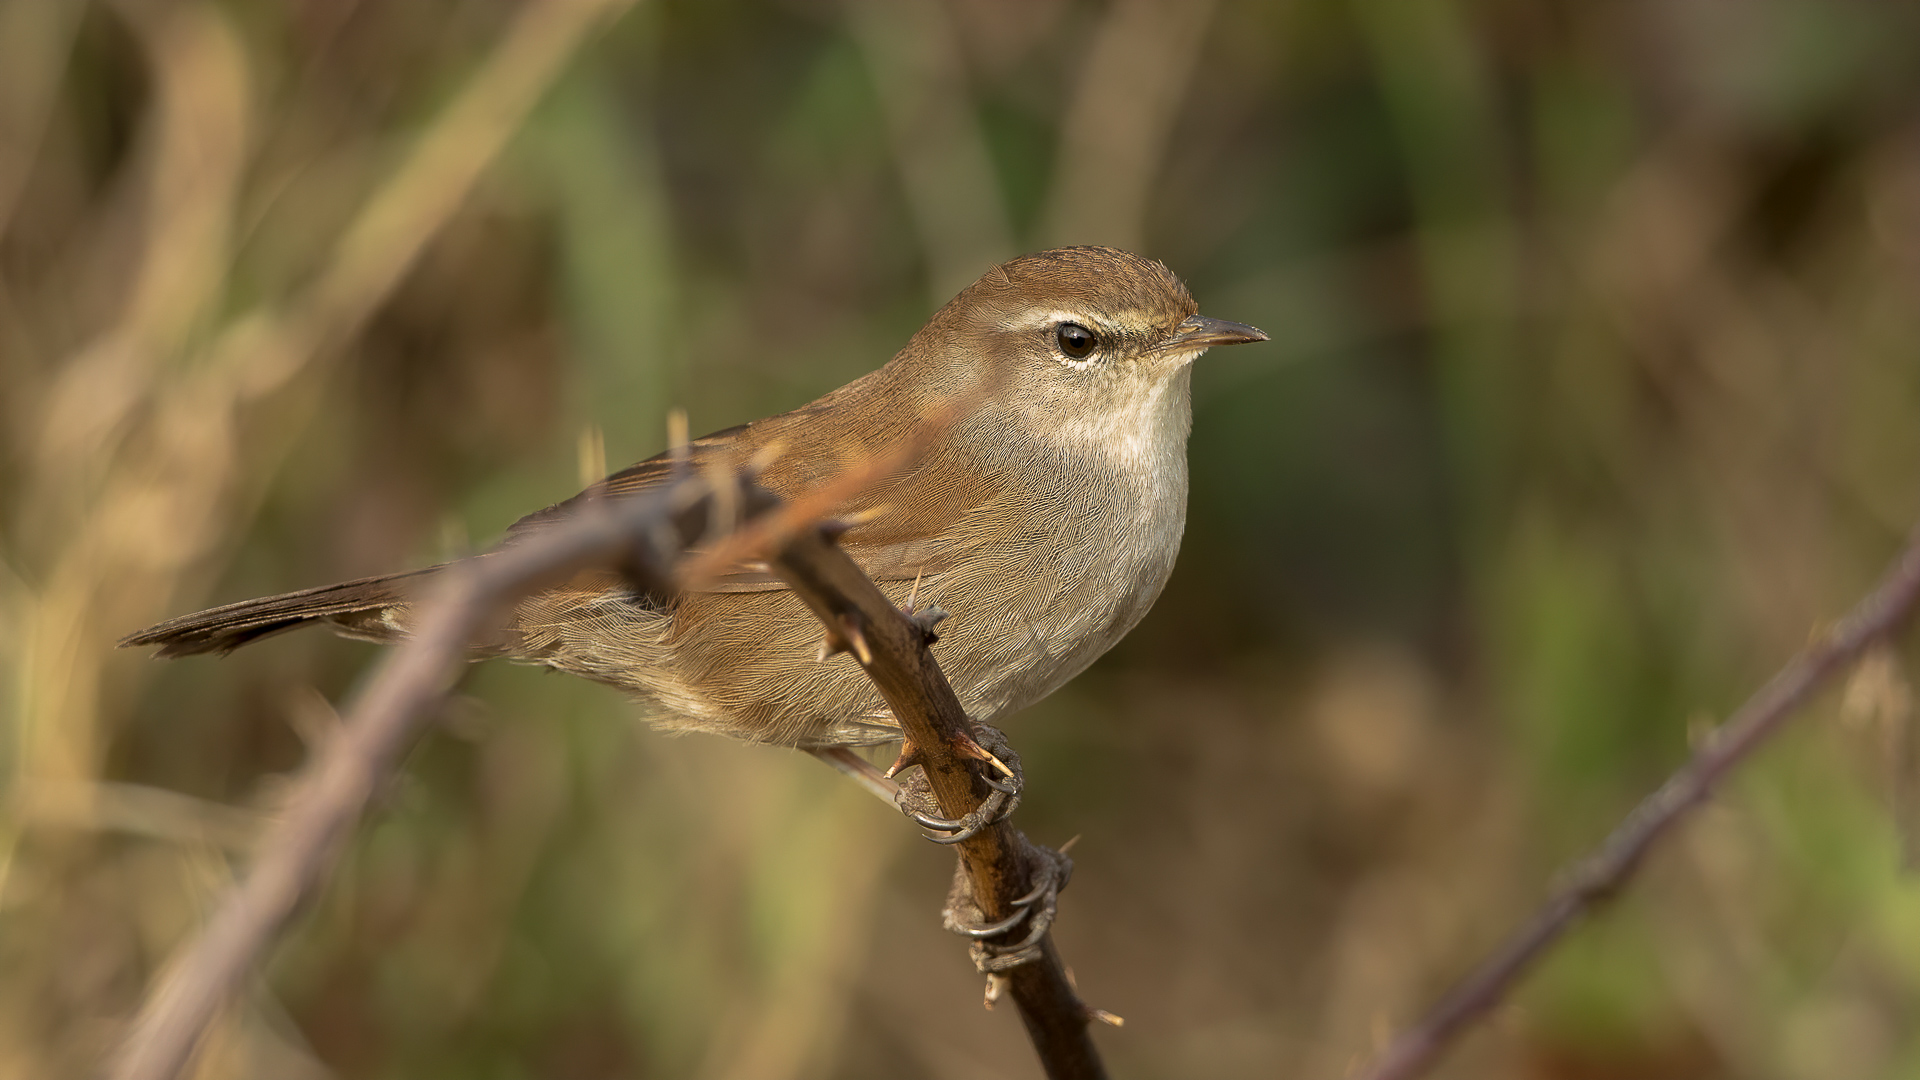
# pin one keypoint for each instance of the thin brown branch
(301, 848)
(1000, 862)
(1602, 875)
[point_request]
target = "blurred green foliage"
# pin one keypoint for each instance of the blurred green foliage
(1592, 390)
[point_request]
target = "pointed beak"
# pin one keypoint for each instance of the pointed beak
(1200, 332)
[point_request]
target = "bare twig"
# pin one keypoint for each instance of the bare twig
(300, 849)
(1601, 876)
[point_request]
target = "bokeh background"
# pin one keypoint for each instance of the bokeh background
(1595, 386)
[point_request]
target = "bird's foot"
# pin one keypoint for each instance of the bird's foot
(1005, 781)
(1006, 943)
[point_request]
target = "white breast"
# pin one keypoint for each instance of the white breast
(1111, 538)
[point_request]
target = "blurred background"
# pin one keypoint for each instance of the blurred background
(1593, 390)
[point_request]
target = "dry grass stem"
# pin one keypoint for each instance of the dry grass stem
(1601, 876)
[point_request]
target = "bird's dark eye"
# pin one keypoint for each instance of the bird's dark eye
(1075, 340)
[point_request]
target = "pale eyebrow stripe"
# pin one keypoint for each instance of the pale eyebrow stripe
(1037, 319)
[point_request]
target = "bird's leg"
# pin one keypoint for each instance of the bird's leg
(915, 799)
(1004, 944)
(860, 771)
(916, 796)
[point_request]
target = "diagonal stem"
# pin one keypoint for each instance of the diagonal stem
(1601, 876)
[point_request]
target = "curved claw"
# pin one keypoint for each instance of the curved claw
(993, 929)
(929, 821)
(992, 953)
(982, 817)
(971, 822)
(1040, 890)
(1003, 785)
(963, 834)
(1023, 909)
(1033, 938)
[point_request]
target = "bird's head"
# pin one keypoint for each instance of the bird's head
(1083, 344)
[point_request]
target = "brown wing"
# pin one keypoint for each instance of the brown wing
(883, 552)
(634, 479)
(887, 547)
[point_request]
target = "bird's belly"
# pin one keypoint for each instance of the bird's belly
(1015, 636)
(1026, 613)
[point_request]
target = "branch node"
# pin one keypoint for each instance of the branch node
(925, 619)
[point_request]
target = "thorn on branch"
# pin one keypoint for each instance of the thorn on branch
(966, 747)
(831, 645)
(856, 638)
(909, 757)
(844, 635)
(1090, 1012)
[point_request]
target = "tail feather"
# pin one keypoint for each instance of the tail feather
(368, 608)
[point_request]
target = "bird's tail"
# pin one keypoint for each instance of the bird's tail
(373, 609)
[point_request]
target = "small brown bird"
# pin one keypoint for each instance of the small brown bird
(1045, 519)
